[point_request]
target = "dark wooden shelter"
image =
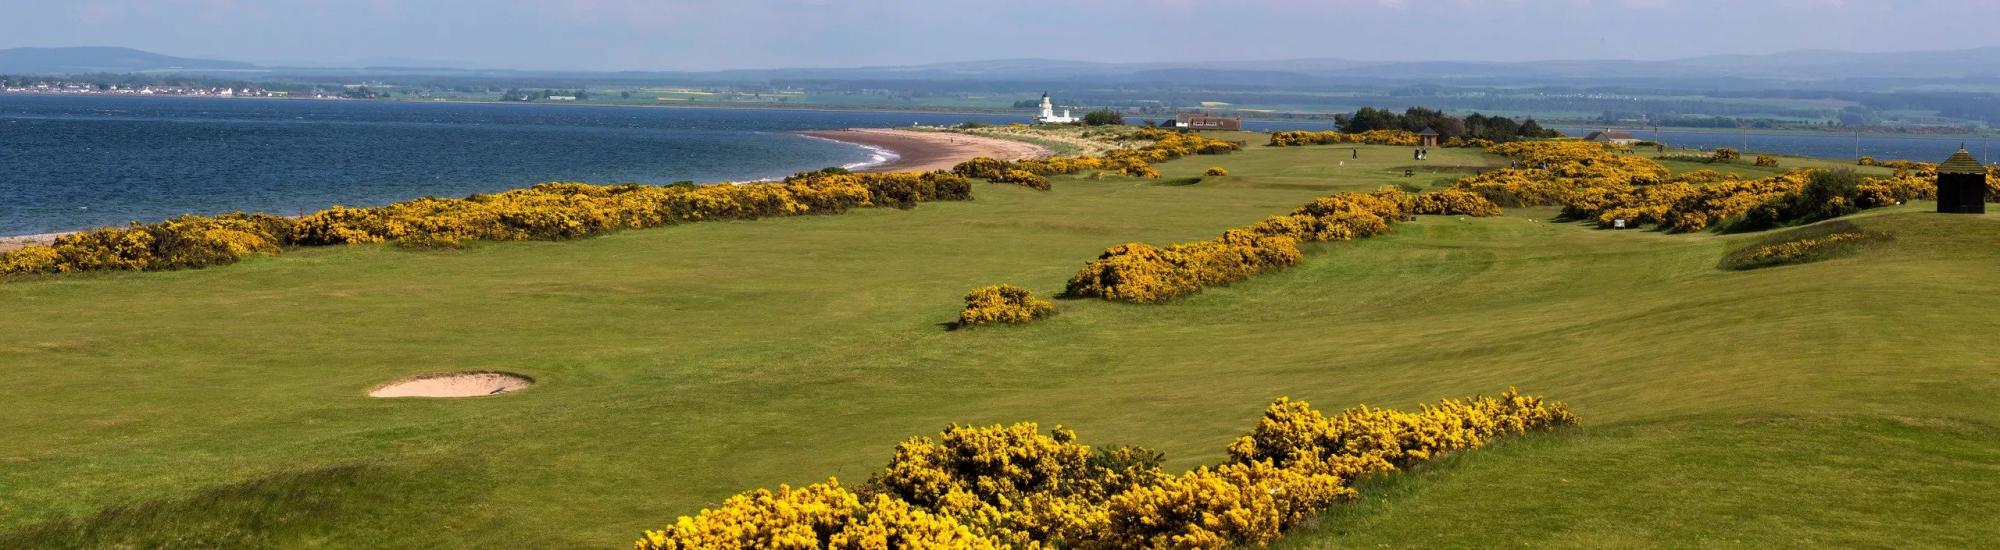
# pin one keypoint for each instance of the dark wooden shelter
(1427, 138)
(1961, 185)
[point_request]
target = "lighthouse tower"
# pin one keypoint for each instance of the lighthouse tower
(1048, 115)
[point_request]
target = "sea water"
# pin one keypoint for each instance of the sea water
(75, 162)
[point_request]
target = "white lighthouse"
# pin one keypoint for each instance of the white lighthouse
(1048, 115)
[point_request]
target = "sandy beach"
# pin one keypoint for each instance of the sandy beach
(18, 241)
(926, 151)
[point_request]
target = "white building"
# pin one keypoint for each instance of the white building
(1048, 115)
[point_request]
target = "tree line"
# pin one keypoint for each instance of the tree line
(1496, 129)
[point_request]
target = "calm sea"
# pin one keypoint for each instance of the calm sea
(73, 162)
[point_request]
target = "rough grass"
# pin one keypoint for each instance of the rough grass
(1840, 403)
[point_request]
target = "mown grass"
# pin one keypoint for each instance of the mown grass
(1844, 403)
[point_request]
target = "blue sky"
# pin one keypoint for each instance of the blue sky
(721, 34)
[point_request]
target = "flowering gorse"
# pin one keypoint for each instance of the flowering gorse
(1002, 304)
(550, 211)
(1017, 487)
(1138, 272)
(1138, 162)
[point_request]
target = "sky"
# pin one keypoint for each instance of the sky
(753, 34)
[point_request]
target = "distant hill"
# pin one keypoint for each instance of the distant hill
(102, 60)
(1803, 66)
(1798, 65)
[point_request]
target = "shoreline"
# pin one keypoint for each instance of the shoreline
(836, 108)
(14, 242)
(897, 150)
(891, 150)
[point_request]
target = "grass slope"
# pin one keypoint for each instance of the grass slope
(1845, 402)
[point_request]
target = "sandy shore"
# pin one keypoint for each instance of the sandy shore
(18, 241)
(925, 151)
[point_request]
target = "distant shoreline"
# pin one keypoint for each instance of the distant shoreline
(896, 151)
(17, 241)
(1023, 115)
(917, 151)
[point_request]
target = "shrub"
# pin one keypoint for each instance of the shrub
(129, 249)
(196, 241)
(549, 211)
(1165, 146)
(1366, 441)
(821, 515)
(1726, 154)
(1136, 272)
(1992, 184)
(1229, 506)
(1103, 117)
(1026, 179)
(1216, 171)
(1013, 486)
(1591, 183)
(1371, 137)
(1451, 202)
(1140, 170)
(30, 259)
(1556, 172)
(1897, 189)
(981, 168)
(1767, 160)
(1826, 194)
(1002, 304)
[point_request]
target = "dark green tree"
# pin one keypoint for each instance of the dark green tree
(1103, 117)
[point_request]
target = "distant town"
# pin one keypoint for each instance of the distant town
(76, 88)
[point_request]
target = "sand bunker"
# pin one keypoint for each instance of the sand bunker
(458, 384)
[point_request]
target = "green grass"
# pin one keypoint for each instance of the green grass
(1840, 403)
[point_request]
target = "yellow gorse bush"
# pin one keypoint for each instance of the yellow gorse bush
(184, 242)
(1992, 184)
(1449, 202)
(1138, 162)
(1002, 304)
(1809, 244)
(1225, 506)
(1364, 440)
(1592, 182)
(1016, 487)
(1142, 273)
(1788, 252)
(550, 211)
(821, 515)
(1137, 272)
(1329, 137)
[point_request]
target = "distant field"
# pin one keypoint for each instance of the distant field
(1844, 403)
(1747, 166)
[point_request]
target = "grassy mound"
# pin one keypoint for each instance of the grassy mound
(1814, 243)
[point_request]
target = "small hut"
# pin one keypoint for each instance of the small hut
(1428, 137)
(1961, 185)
